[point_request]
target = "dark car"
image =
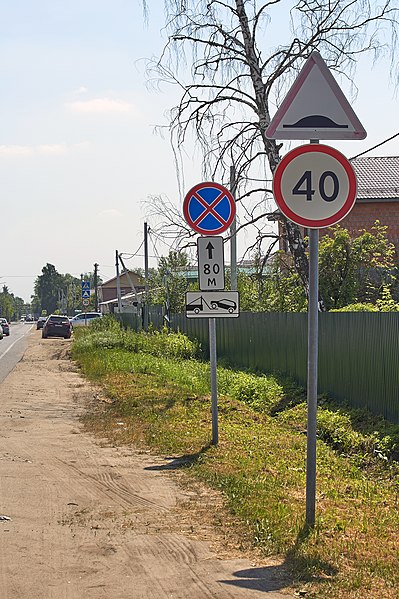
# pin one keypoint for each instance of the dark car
(5, 326)
(40, 322)
(57, 326)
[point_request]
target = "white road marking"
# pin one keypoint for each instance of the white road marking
(16, 341)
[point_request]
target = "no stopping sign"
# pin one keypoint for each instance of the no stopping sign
(314, 186)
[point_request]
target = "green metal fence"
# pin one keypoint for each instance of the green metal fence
(358, 351)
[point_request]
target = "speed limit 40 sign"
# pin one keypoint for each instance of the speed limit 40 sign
(314, 186)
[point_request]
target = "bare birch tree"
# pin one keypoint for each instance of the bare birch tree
(233, 61)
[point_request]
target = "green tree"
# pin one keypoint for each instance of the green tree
(11, 307)
(47, 288)
(355, 269)
(6, 303)
(169, 283)
(244, 56)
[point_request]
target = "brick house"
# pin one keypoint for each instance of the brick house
(377, 196)
(108, 289)
(377, 199)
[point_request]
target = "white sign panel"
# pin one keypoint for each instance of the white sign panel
(315, 108)
(210, 263)
(212, 304)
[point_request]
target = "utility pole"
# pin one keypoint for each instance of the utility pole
(118, 282)
(233, 234)
(96, 287)
(146, 277)
(129, 278)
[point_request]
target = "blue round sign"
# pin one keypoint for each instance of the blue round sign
(209, 208)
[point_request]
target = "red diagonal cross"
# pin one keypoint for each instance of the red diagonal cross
(209, 208)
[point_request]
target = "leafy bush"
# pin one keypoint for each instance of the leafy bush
(107, 333)
(335, 429)
(355, 432)
(261, 392)
(359, 307)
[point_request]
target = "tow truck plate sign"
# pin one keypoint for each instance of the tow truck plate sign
(212, 304)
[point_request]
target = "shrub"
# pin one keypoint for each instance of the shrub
(107, 333)
(359, 307)
(335, 429)
(261, 392)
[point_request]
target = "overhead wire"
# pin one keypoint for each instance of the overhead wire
(374, 147)
(136, 253)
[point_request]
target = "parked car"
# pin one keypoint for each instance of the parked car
(57, 326)
(5, 326)
(224, 304)
(40, 322)
(84, 318)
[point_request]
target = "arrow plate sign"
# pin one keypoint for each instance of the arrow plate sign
(210, 263)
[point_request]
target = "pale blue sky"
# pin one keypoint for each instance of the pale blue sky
(78, 153)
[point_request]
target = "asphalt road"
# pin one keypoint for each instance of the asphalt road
(12, 347)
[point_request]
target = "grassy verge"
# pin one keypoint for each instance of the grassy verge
(160, 392)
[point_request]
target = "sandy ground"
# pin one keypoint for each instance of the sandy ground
(92, 521)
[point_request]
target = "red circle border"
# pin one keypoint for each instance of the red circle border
(305, 222)
(228, 196)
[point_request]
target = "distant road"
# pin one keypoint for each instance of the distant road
(12, 348)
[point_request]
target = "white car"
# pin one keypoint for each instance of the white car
(84, 318)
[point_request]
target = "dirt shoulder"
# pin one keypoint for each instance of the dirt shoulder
(94, 521)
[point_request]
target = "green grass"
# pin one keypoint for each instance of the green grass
(160, 389)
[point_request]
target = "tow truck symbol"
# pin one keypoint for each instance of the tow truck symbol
(197, 305)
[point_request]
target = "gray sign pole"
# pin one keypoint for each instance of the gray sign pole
(214, 387)
(313, 326)
(233, 235)
(313, 350)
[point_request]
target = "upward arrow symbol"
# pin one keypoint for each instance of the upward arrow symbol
(209, 247)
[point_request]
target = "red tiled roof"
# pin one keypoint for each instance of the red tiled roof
(377, 177)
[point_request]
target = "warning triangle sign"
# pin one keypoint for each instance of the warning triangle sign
(315, 108)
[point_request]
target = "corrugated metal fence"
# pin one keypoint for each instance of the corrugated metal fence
(358, 351)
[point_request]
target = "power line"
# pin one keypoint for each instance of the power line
(374, 147)
(136, 253)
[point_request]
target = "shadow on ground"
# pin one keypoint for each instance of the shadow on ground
(265, 579)
(182, 461)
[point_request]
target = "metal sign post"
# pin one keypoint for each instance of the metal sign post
(315, 187)
(85, 297)
(312, 374)
(214, 384)
(209, 209)
(313, 352)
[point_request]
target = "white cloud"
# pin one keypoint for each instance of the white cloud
(52, 149)
(81, 90)
(100, 105)
(13, 150)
